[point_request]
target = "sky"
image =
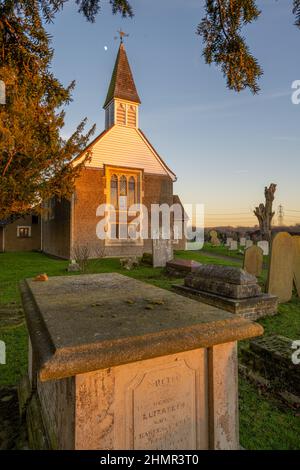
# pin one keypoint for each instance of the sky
(224, 147)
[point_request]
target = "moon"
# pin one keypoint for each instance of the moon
(105, 48)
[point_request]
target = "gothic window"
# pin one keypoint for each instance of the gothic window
(131, 191)
(123, 186)
(121, 114)
(114, 190)
(131, 116)
(124, 192)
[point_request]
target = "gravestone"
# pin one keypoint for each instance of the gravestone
(162, 252)
(296, 240)
(228, 241)
(73, 267)
(214, 240)
(249, 243)
(264, 245)
(281, 269)
(233, 245)
(243, 241)
(116, 363)
(229, 288)
(253, 260)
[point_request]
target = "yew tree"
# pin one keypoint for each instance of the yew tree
(34, 158)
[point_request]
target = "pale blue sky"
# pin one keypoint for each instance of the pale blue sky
(223, 146)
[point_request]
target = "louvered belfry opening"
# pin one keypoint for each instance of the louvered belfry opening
(123, 93)
(121, 114)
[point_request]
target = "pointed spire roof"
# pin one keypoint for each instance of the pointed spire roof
(122, 84)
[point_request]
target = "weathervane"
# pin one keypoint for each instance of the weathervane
(122, 35)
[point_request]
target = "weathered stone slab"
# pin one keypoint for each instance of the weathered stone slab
(252, 308)
(253, 260)
(233, 245)
(228, 241)
(281, 270)
(162, 252)
(182, 267)
(264, 245)
(296, 240)
(225, 281)
(271, 356)
(227, 274)
(243, 241)
(225, 289)
(124, 365)
(81, 323)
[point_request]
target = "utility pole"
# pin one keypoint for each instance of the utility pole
(280, 215)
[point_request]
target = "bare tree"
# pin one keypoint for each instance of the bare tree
(265, 214)
(81, 254)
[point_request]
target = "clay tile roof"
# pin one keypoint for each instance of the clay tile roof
(122, 84)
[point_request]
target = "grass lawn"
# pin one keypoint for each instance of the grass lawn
(262, 424)
(221, 250)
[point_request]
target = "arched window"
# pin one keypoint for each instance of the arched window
(131, 191)
(123, 186)
(121, 114)
(114, 190)
(131, 116)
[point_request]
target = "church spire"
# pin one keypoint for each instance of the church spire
(122, 85)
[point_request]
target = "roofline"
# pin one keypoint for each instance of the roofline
(100, 136)
(157, 155)
(121, 99)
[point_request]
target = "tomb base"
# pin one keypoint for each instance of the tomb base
(253, 308)
(116, 364)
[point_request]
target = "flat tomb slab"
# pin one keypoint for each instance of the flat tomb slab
(84, 323)
(251, 308)
(182, 266)
(225, 281)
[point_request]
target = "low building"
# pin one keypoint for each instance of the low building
(21, 234)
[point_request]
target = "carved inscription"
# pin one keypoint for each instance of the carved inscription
(164, 415)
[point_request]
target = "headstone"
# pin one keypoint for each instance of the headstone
(229, 288)
(281, 269)
(214, 240)
(243, 241)
(253, 260)
(162, 252)
(233, 245)
(73, 267)
(107, 372)
(296, 240)
(264, 245)
(182, 267)
(129, 263)
(249, 243)
(228, 241)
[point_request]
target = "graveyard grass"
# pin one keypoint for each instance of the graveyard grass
(263, 423)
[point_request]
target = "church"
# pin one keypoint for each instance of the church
(122, 163)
